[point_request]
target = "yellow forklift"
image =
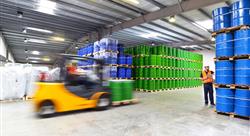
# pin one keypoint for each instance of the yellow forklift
(72, 91)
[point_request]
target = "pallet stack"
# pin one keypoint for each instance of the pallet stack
(158, 68)
(232, 58)
(117, 70)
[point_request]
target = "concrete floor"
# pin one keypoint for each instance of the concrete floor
(173, 113)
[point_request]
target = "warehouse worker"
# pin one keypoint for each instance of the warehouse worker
(207, 79)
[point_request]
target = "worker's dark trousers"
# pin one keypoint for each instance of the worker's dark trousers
(208, 89)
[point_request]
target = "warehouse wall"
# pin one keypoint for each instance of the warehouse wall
(3, 49)
(208, 57)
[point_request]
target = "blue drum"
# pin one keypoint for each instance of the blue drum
(224, 104)
(224, 72)
(225, 92)
(122, 60)
(242, 72)
(242, 102)
(224, 45)
(242, 42)
(240, 13)
(221, 18)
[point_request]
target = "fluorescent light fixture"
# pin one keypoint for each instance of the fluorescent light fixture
(150, 35)
(36, 41)
(208, 24)
(35, 52)
(172, 19)
(25, 40)
(34, 61)
(201, 27)
(60, 39)
(24, 30)
(132, 1)
(46, 59)
(47, 6)
(39, 30)
(19, 14)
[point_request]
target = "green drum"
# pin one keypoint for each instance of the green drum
(116, 89)
(146, 72)
(128, 87)
(151, 84)
(152, 60)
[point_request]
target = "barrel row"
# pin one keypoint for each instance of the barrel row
(233, 101)
(169, 57)
(236, 14)
(156, 60)
(165, 67)
(162, 50)
(233, 44)
(164, 73)
(233, 72)
(157, 85)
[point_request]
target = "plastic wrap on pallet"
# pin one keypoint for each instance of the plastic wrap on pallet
(13, 81)
(96, 46)
(120, 49)
(108, 44)
(113, 72)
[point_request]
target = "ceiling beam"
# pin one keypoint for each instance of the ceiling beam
(205, 42)
(164, 12)
(143, 12)
(180, 5)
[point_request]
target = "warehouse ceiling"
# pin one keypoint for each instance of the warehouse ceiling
(33, 29)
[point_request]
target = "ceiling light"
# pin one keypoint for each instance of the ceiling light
(36, 41)
(35, 52)
(47, 6)
(76, 47)
(207, 24)
(25, 40)
(39, 30)
(212, 39)
(132, 1)
(201, 27)
(19, 14)
(34, 61)
(46, 59)
(150, 35)
(26, 51)
(24, 31)
(60, 39)
(172, 19)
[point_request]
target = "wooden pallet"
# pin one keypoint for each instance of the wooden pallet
(230, 29)
(233, 115)
(125, 102)
(223, 58)
(223, 86)
(240, 87)
(16, 99)
(242, 57)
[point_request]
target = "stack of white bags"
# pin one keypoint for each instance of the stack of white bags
(17, 81)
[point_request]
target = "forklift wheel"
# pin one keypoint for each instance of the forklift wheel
(46, 109)
(104, 102)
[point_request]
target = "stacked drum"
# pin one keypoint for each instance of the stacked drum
(231, 28)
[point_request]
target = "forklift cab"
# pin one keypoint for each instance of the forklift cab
(78, 89)
(80, 78)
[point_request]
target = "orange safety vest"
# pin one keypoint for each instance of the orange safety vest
(206, 78)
